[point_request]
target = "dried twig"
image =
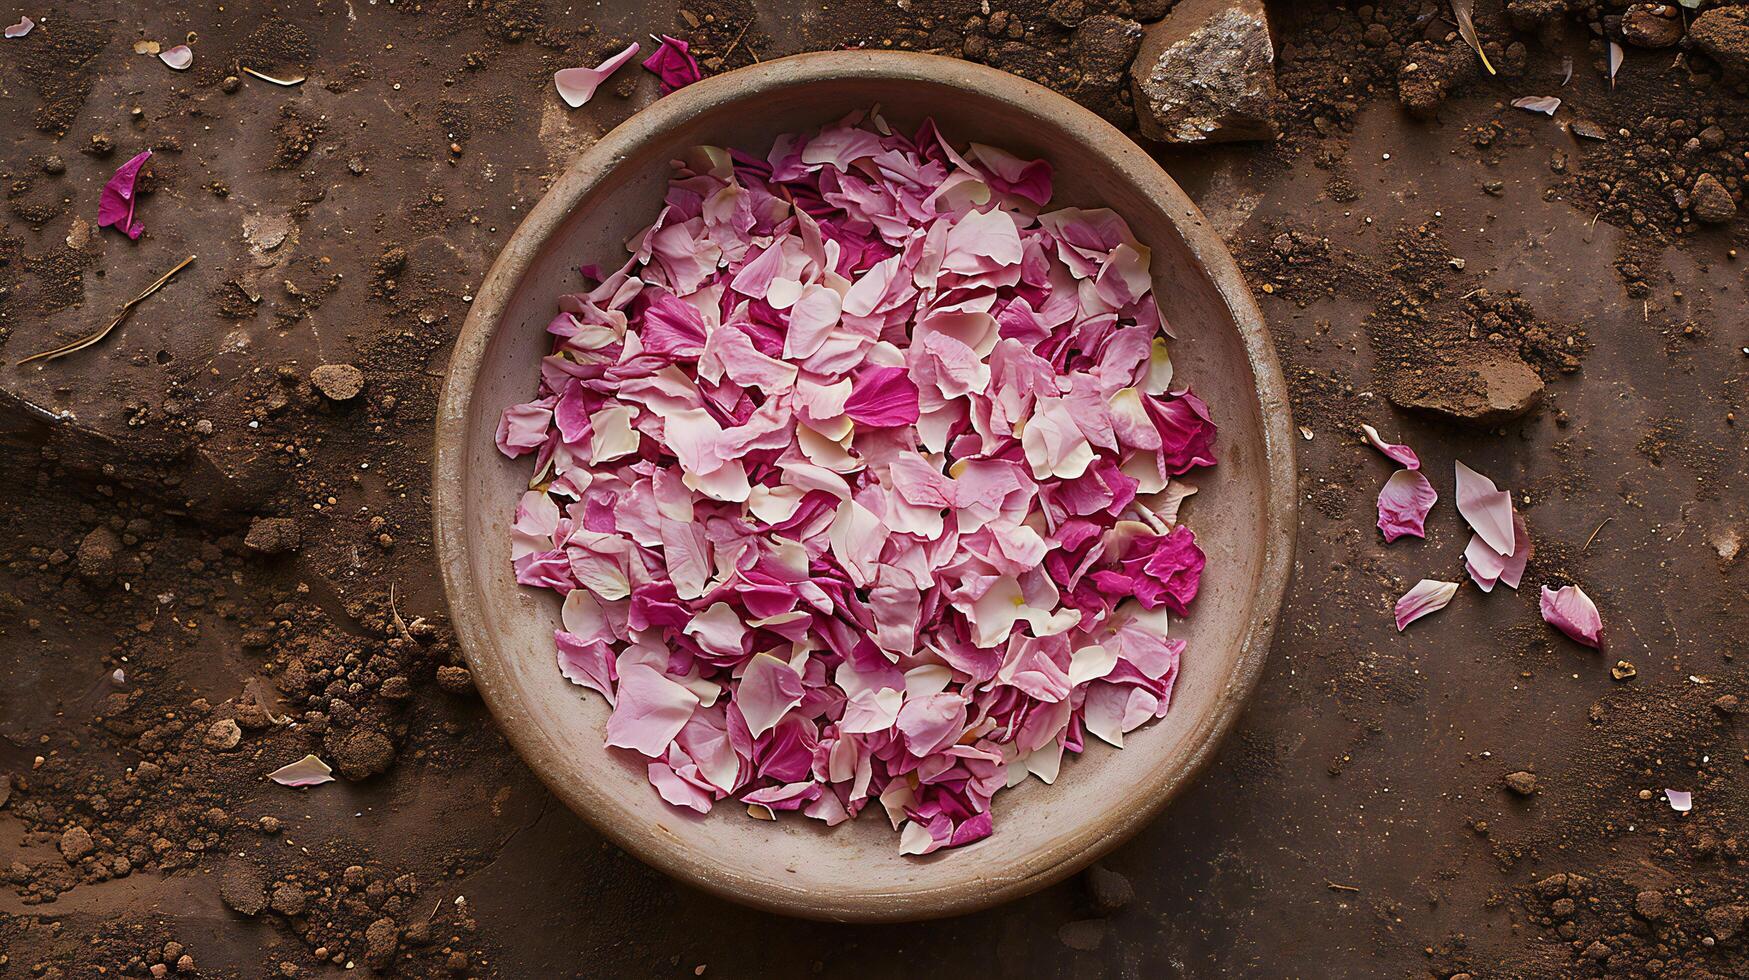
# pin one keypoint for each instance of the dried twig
(1340, 888)
(1594, 533)
(84, 342)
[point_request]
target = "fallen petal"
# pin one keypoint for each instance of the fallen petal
(577, 85)
(308, 771)
(1487, 509)
(1404, 503)
(20, 29)
(179, 57)
(1571, 611)
(1428, 596)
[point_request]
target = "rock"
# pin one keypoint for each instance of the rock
(1430, 72)
(1725, 921)
(1712, 138)
(1532, 15)
(242, 888)
(382, 940)
(1109, 890)
(76, 843)
(1105, 45)
(288, 899)
(338, 382)
(1711, 202)
(1206, 73)
(1085, 935)
(1522, 782)
(1553, 886)
(1722, 34)
(1651, 25)
(1491, 389)
(455, 680)
(97, 555)
(223, 735)
(1649, 905)
(273, 536)
(362, 753)
(1725, 704)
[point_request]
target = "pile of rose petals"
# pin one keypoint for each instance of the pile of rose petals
(860, 480)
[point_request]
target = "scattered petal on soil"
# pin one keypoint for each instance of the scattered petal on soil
(308, 771)
(1404, 503)
(1428, 596)
(1395, 452)
(577, 85)
(115, 205)
(20, 29)
(1681, 800)
(1487, 509)
(1571, 611)
(1545, 104)
(179, 57)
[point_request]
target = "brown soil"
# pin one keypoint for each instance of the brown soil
(180, 505)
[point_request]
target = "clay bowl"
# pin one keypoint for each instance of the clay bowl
(1244, 516)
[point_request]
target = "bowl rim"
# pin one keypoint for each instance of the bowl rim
(584, 176)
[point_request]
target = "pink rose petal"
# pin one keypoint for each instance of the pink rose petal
(1682, 801)
(1571, 611)
(577, 85)
(1428, 596)
(651, 710)
(1488, 510)
(179, 57)
(20, 29)
(1400, 454)
(1404, 503)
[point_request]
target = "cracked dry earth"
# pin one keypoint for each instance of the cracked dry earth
(215, 559)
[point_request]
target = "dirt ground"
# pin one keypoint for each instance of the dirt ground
(163, 645)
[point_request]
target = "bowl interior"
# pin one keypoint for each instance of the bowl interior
(1241, 516)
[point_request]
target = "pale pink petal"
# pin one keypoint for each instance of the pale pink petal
(769, 688)
(1681, 800)
(676, 790)
(1571, 611)
(179, 57)
(577, 85)
(651, 711)
(1403, 505)
(1488, 510)
(20, 29)
(308, 771)
(1428, 596)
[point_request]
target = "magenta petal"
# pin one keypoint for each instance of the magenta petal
(674, 64)
(1571, 611)
(1403, 505)
(883, 397)
(1428, 596)
(1397, 453)
(115, 206)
